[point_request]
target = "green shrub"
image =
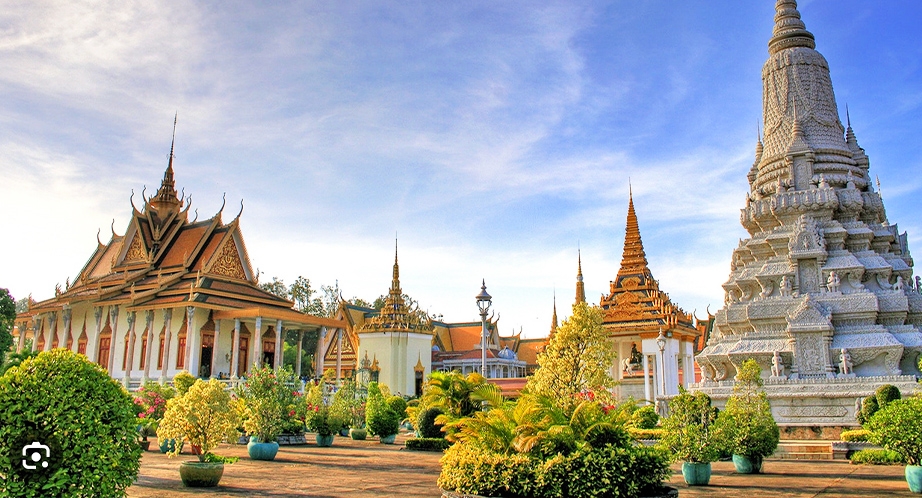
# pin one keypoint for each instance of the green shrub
(611, 471)
(644, 417)
(886, 393)
(380, 418)
(747, 420)
(855, 436)
(691, 432)
(399, 405)
(428, 444)
(898, 427)
(62, 400)
(639, 434)
(868, 408)
(876, 457)
(358, 434)
(182, 382)
(426, 425)
(473, 470)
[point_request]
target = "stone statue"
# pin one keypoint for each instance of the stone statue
(919, 284)
(777, 366)
(833, 283)
(845, 362)
(785, 286)
(635, 355)
(898, 285)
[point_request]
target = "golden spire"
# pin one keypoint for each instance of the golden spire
(580, 288)
(633, 259)
(166, 196)
(395, 315)
(554, 317)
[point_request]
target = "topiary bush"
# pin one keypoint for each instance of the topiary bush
(644, 417)
(898, 427)
(62, 400)
(182, 382)
(868, 408)
(855, 436)
(426, 425)
(428, 444)
(380, 418)
(876, 457)
(887, 393)
(399, 405)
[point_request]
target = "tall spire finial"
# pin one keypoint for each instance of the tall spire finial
(395, 282)
(789, 30)
(166, 196)
(580, 287)
(554, 316)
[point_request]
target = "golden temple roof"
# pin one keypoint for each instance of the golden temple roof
(396, 316)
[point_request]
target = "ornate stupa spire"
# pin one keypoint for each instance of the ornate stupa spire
(166, 197)
(395, 315)
(804, 137)
(580, 287)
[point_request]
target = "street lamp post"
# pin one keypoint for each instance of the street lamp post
(483, 304)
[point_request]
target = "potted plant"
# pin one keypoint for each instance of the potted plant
(750, 429)
(343, 401)
(264, 402)
(205, 417)
(321, 417)
(150, 402)
(898, 427)
(380, 418)
(691, 434)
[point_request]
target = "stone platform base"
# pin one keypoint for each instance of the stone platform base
(814, 403)
(817, 450)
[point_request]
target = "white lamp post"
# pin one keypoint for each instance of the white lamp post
(483, 304)
(661, 343)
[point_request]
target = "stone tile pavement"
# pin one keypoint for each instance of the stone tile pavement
(367, 468)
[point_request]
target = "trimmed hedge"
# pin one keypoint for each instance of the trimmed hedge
(855, 436)
(85, 418)
(425, 423)
(587, 472)
(428, 444)
(639, 434)
(876, 457)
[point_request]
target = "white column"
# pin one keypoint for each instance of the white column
(149, 331)
(298, 360)
(321, 349)
(646, 378)
(339, 354)
(279, 346)
(257, 345)
(22, 336)
(235, 352)
(688, 370)
(167, 335)
(93, 352)
(192, 335)
(113, 317)
(36, 326)
(66, 314)
(214, 349)
(51, 333)
(129, 360)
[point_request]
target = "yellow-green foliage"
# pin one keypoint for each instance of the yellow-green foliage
(183, 381)
(203, 415)
(639, 434)
(576, 360)
(876, 457)
(855, 436)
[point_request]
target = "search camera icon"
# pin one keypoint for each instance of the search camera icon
(33, 452)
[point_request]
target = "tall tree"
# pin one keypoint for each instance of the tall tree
(276, 287)
(7, 318)
(577, 359)
(302, 294)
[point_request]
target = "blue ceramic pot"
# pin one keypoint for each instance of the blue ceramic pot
(387, 439)
(914, 478)
(324, 440)
(262, 451)
(168, 445)
(696, 474)
(747, 465)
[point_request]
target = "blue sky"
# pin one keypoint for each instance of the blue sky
(492, 137)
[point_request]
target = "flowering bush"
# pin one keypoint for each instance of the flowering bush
(321, 418)
(150, 402)
(203, 415)
(266, 402)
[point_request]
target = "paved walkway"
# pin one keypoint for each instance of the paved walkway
(367, 468)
